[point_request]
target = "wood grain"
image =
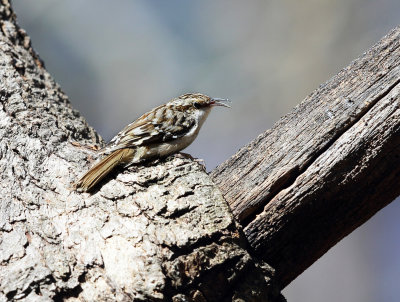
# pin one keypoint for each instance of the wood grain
(324, 168)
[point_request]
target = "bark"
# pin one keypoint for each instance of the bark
(323, 169)
(160, 232)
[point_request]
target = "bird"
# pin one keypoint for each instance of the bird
(163, 131)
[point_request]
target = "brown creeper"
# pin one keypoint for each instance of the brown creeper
(163, 131)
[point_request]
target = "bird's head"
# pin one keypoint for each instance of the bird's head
(198, 101)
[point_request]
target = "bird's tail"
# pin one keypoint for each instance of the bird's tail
(102, 168)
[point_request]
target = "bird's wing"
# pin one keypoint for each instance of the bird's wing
(148, 130)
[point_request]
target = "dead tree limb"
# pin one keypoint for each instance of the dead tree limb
(154, 233)
(323, 169)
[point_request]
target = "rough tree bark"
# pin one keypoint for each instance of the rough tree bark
(325, 168)
(163, 232)
(154, 233)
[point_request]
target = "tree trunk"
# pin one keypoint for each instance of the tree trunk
(325, 168)
(151, 233)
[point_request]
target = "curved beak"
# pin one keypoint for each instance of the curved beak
(220, 102)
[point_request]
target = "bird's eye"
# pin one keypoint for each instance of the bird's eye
(197, 105)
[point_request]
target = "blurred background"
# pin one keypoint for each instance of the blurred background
(116, 60)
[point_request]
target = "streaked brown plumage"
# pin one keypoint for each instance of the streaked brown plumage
(165, 130)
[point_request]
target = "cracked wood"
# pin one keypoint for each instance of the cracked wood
(324, 168)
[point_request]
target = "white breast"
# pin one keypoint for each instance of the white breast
(176, 145)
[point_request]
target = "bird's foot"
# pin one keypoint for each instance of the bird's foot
(200, 161)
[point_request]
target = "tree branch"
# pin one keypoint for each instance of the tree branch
(325, 168)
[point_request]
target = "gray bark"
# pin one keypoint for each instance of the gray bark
(325, 168)
(160, 232)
